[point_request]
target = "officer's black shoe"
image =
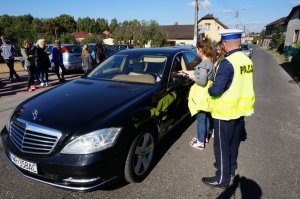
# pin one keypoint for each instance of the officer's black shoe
(211, 181)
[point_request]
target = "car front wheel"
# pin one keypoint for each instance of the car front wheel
(140, 157)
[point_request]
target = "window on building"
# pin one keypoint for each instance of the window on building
(207, 26)
(296, 36)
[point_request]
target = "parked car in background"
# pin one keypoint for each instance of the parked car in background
(71, 57)
(104, 125)
(109, 50)
(247, 49)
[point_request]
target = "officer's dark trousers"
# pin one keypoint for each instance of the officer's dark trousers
(227, 138)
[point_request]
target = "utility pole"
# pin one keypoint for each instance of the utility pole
(237, 13)
(196, 22)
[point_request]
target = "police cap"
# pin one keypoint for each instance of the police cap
(228, 34)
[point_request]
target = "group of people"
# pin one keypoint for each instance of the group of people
(37, 62)
(87, 61)
(223, 91)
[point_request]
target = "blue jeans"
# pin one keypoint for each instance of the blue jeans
(202, 125)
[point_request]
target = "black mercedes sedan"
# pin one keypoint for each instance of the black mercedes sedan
(104, 125)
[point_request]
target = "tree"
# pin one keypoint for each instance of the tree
(113, 25)
(277, 37)
(140, 33)
(64, 24)
(87, 24)
(102, 25)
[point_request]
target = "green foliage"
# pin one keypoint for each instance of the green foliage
(298, 44)
(91, 39)
(113, 25)
(256, 39)
(87, 24)
(26, 27)
(139, 34)
(277, 37)
(64, 24)
(67, 38)
(101, 25)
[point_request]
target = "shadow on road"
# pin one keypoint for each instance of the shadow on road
(8, 88)
(293, 71)
(249, 189)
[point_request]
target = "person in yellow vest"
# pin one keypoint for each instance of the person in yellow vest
(199, 99)
(232, 99)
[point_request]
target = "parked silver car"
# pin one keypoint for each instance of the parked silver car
(247, 49)
(71, 57)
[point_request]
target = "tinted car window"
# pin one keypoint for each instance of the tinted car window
(131, 68)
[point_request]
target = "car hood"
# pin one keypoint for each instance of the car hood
(70, 106)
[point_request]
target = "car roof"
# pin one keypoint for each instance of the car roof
(161, 50)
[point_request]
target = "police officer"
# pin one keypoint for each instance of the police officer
(232, 98)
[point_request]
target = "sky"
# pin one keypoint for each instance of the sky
(253, 15)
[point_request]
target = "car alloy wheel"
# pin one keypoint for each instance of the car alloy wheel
(140, 158)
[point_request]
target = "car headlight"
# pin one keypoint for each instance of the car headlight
(92, 142)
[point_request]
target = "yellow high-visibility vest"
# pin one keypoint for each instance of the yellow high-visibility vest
(199, 99)
(238, 100)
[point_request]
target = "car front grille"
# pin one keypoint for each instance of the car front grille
(33, 138)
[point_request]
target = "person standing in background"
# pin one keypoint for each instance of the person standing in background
(43, 61)
(219, 54)
(29, 57)
(99, 51)
(8, 52)
(57, 59)
(232, 99)
(86, 58)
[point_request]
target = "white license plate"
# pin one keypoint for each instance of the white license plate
(29, 166)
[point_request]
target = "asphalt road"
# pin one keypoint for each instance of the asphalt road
(269, 159)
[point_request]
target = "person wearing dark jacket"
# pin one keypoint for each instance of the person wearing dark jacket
(8, 52)
(57, 59)
(29, 59)
(232, 99)
(42, 61)
(99, 51)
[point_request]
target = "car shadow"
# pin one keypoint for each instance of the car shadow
(162, 148)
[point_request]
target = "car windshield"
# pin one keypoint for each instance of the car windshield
(131, 68)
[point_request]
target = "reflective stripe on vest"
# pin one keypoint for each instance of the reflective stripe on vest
(239, 99)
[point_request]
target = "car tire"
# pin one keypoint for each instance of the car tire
(140, 157)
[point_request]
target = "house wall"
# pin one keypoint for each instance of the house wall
(212, 33)
(293, 24)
